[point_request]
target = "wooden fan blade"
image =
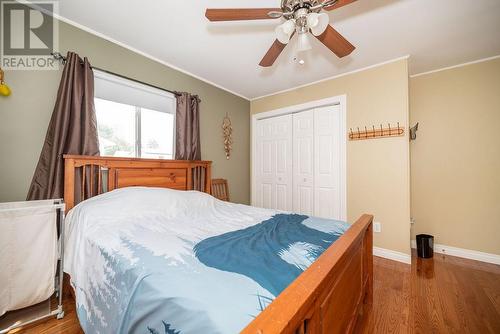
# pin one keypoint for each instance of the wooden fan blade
(336, 42)
(238, 14)
(338, 4)
(272, 54)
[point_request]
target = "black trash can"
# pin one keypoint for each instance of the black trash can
(425, 246)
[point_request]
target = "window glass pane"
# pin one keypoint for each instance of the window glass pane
(116, 128)
(156, 134)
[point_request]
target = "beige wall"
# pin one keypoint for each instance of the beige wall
(24, 116)
(377, 170)
(455, 161)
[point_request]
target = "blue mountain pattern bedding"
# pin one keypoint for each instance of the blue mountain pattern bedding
(150, 260)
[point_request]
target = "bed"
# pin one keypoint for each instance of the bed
(148, 250)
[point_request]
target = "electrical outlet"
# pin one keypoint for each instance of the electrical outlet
(377, 227)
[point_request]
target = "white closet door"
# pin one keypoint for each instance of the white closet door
(303, 162)
(327, 190)
(274, 163)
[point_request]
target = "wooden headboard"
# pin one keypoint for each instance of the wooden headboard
(88, 176)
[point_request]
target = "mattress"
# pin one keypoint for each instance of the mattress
(151, 260)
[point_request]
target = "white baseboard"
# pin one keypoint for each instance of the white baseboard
(392, 255)
(464, 253)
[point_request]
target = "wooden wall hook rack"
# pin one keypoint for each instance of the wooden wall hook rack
(378, 132)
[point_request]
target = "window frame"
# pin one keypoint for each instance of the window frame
(101, 75)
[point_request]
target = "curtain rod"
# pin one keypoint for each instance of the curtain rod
(60, 57)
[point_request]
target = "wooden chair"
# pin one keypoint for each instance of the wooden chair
(220, 189)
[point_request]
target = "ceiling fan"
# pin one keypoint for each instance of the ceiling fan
(301, 17)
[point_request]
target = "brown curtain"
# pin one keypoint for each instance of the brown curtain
(187, 127)
(72, 129)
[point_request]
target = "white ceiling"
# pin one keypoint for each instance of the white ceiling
(435, 33)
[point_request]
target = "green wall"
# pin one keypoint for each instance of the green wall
(24, 116)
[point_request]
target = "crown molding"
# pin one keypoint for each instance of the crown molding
(333, 77)
(455, 66)
(130, 48)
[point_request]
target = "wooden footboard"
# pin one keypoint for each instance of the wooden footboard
(331, 294)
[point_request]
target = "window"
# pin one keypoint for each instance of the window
(133, 120)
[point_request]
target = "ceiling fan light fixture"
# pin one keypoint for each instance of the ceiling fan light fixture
(303, 43)
(299, 17)
(317, 22)
(284, 31)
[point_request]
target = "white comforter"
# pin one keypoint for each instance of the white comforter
(152, 260)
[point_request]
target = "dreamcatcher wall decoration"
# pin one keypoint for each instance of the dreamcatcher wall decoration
(227, 132)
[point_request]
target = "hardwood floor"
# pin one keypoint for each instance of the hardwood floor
(67, 325)
(443, 295)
